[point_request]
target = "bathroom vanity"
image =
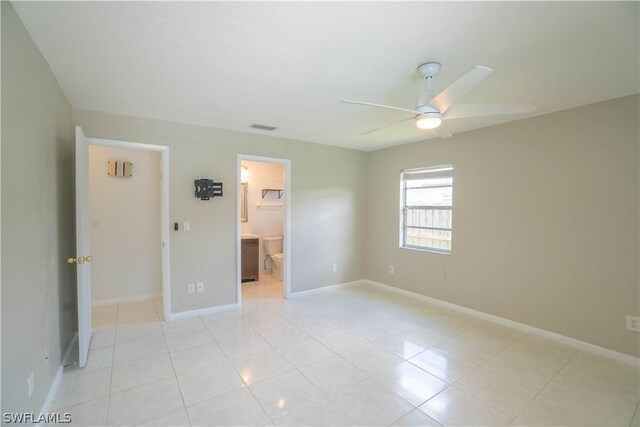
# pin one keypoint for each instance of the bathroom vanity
(250, 262)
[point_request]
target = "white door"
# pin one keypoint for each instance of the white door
(83, 250)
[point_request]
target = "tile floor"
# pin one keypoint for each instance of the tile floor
(356, 356)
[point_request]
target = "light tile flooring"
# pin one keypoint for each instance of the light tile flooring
(356, 356)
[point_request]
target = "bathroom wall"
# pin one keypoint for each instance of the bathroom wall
(125, 226)
(265, 216)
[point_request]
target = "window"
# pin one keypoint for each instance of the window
(426, 199)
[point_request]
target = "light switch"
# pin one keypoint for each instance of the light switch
(200, 286)
(186, 226)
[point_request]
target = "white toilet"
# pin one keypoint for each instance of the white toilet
(273, 250)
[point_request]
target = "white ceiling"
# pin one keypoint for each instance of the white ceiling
(290, 64)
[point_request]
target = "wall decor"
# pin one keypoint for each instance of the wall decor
(207, 188)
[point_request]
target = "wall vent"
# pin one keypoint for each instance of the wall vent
(262, 127)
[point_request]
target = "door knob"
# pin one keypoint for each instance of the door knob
(80, 260)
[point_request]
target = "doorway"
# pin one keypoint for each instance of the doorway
(263, 227)
(128, 208)
(83, 258)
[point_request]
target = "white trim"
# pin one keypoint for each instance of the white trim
(582, 345)
(164, 210)
(324, 289)
(286, 205)
(164, 234)
(58, 378)
(124, 300)
(202, 311)
(127, 144)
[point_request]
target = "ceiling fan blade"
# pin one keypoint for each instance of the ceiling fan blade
(475, 110)
(381, 106)
(386, 126)
(443, 130)
(445, 99)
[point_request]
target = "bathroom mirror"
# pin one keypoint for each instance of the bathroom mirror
(243, 202)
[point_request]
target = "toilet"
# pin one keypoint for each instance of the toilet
(273, 250)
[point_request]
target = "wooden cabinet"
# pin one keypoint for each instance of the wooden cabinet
(250, 259)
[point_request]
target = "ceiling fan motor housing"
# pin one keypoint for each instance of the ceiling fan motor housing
(427, 109)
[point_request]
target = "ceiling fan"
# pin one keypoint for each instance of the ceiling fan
(431, 110)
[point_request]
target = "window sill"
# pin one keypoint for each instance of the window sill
(433, 251)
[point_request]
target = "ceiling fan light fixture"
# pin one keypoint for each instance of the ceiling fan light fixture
(428, 120)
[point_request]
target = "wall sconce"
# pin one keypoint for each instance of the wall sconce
(119, 168)
(244, 174)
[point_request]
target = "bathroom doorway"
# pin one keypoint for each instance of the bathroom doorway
(263, 228)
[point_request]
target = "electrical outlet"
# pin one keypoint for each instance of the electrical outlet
(186, 226)
(200, 286)
(30, 384)
(191, 288)
(633, 323)
(391, 269)
(334, 268)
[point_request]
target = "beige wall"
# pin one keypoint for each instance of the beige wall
(38, 286)
(545, 217)
(264, 221)
(545, 222)
(125, 226)
(531, 198)
(328, 193)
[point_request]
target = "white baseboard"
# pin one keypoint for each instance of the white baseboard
(326, 289)
(202, 311)
(124, 300)
(582, 345)
(56, 380)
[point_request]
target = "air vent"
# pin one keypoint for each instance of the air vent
(263, 127)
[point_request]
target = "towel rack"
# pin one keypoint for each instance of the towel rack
(269, 205)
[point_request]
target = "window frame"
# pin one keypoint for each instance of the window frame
(403, 209)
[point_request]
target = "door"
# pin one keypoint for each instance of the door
(83, 251)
